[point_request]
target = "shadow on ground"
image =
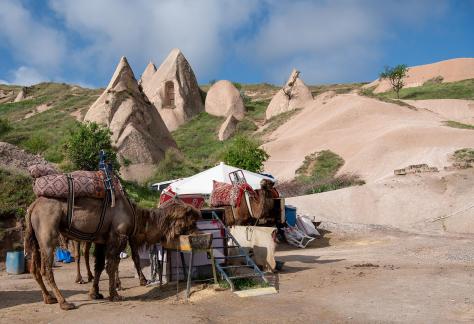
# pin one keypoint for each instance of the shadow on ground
(11, 298)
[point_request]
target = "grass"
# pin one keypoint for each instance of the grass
(338, 88)
(318, 174)
(276, 121)
(244, 284)
(142, 195)
(464, 155)
(16, 193)
(44, 133)
(455, 124)
(435, 90)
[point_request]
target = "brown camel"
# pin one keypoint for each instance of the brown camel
(261, 203)
(47, 218)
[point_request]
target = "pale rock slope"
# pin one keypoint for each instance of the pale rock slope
(450, 109)
(138, 131)
(294, 94)
(450, 70)
(223, 99)
(173, 90)
(373, 137)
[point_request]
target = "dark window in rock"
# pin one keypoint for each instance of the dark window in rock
(169, 94)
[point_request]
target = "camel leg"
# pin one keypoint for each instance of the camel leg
(118, 283)
(35, 270)
(136, 261)
(47, 256)
(114, 247)
(99, 254)
(77, 256)
(87, 249)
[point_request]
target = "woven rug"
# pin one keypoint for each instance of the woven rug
(225, 194)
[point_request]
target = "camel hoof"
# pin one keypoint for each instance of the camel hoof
(115, 298)
(90, 278)
(96, 296)
(50, 300)
(67, 306)
(143, 282)
(80, 281)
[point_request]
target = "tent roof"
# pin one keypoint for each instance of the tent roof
(201, 183)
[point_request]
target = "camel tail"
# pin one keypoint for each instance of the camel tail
(31, 243)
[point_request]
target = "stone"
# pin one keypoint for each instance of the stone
(228, 128)
(148, 73)
(174, 91)
(138, 132)
(223, 99)
(294, 94)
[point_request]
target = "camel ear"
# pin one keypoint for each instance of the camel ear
(189, 209)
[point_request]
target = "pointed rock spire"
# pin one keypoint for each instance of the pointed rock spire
(138, 132)
(147, 73)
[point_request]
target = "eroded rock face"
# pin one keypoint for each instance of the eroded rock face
(138, 131)
(148, 73)
(223, 99)
(228, 128)
(174, 91)
(294, 94)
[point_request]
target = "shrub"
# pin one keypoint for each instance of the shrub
(36, 144)
(395, 76)
(4, 126)
(246, 154)
(83, 144)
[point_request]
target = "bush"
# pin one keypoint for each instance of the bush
(83, 144)
(4, 126)
(246, 154)
(36, 144)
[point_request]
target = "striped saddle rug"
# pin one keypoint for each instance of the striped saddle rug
(225, 194)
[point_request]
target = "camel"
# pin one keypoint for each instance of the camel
(47, 218)
(261, 204)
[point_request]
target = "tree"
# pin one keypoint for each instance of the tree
(395, 76)
(246, 154)
(83, 144)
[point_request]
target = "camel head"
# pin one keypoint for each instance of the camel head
(266, 184)
(169, 221)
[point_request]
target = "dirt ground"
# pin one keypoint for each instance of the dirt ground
(371, 278)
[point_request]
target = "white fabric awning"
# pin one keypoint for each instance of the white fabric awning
(201, 183)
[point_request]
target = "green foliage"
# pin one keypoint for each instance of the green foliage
(318, 174)
(448, 90)
(173, 166)
(320, 165)
(16, 193)
(256, 109)
(276, 121)
(5, 126)
(142, 195)
(36, 144)
(395, 76)
(237, 85)
(197, 140)
(455, 124)
(83, 144)
(245, 153)
(464, 155)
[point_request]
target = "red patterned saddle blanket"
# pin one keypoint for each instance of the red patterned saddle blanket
(86, 184)
(225, 194)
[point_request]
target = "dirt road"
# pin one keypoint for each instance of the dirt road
(380, 277)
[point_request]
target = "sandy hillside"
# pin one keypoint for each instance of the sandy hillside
(373, 137)
(451, 70)
(450, 109)
(410, 203)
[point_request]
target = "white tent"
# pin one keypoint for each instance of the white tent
(201, 183)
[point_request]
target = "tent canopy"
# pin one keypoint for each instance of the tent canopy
(201, 183)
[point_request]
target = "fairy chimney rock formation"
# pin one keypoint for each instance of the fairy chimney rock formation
(294, 94)
(174, 91)
(148, 73)
(223, 99)
(21, 95)
(228, 128)
(138, 132)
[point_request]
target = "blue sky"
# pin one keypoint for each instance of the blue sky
(240, 40)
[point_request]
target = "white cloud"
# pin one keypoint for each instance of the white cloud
(329, 41)
(29, 40)
(144, 30)
(27, 76)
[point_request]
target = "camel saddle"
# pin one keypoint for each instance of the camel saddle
(86, 184)
(225, 194)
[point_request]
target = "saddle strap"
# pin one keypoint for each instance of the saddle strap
(70, 213)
